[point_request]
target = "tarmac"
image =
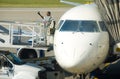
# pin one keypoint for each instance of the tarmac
(29, 14)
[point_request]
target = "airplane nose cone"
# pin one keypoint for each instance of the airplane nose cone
(70, 55)
(72, 52)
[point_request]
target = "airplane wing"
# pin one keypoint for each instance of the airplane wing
(70, 3)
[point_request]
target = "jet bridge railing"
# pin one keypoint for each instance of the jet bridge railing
(26, 34)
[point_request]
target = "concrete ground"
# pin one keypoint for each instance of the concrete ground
(29, 14)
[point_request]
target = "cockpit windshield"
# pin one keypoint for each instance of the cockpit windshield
(79, 26)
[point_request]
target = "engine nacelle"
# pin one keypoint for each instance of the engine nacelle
(117, 49)
(28, 53)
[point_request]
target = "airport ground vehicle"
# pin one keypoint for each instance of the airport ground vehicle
(11, 67)
(28, 38)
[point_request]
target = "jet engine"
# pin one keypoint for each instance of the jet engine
(27, 53)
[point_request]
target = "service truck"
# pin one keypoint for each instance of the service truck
(11, 67)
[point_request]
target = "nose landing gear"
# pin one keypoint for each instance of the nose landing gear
(81, 76)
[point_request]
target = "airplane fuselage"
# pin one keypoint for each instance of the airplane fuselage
(81, 42)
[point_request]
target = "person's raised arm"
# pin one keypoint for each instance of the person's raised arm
(40, 15)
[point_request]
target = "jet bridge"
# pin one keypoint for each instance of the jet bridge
(110, 11)
(17, 35)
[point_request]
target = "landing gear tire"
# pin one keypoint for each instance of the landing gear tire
(81, 76)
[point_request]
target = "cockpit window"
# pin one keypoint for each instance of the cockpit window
(103, 26)
(80, 26)
(70, 26)
(60, 23)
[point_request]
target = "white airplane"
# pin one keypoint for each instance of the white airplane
(81, 42)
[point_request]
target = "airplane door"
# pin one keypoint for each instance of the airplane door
(6, 71)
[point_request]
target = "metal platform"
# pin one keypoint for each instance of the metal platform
(29, 35)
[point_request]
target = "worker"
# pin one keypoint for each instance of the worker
(49, 27)
(49, 22)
